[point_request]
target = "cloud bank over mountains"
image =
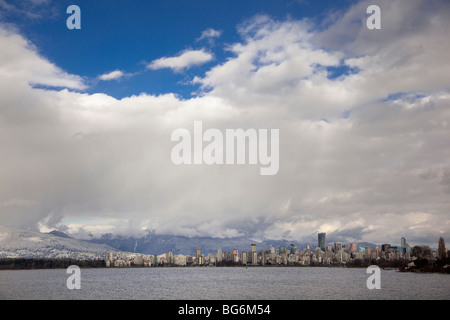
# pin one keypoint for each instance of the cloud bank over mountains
(364, 120)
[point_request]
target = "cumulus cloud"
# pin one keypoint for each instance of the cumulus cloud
(113, 75)
(21, 64)
(363, 155)
(185, 60)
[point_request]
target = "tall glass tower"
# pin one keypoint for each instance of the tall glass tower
(322, 241)
(405, 246)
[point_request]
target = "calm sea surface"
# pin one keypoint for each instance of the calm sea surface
(282, 283)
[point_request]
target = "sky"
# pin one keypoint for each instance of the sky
(86, 118)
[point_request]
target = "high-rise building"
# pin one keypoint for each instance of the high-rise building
(235, 255)
(337, 246)
(254, 254)
(179, 260)
(228, 256)
(244, 257)
(352, 247)
(169, 257)
(109, 256)
(197, 255)
(404, 246)
(263, 257)
(322, 240)
(442, 254)
(219, 255)
(254, 257)
(109, 259)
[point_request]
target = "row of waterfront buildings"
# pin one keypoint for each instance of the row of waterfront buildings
(323, 254)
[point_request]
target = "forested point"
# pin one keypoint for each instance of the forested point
(47, 263)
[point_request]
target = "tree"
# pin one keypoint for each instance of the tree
(417, 251)
(422, 252)
(442, 253)
(427, 252)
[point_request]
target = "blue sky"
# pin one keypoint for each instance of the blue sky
(362, 116)
(127, 35)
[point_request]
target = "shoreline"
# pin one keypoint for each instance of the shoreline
(64, 263)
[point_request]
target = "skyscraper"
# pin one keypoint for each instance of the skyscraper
(244, 259)
(404, 246)
(254, 255)
(197, 255)
(322, 240)
(352, 247)
(235, 255)
(442, 254)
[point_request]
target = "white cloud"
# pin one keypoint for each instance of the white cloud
(20, 63)
(210, 34)
(113, 75)
(379, 173)
(29, 9)
(276, 67)
(185, 60)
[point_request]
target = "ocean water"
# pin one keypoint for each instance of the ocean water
(222, 283)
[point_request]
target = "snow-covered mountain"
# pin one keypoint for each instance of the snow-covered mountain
(19, 243)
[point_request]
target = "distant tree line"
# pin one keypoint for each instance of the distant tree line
(47, 263)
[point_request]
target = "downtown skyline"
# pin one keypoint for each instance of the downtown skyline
(337, 253)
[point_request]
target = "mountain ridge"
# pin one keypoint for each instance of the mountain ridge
(20, 243)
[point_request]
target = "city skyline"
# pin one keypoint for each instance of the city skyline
(360, 115)
(402, 248)
(336, 254)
